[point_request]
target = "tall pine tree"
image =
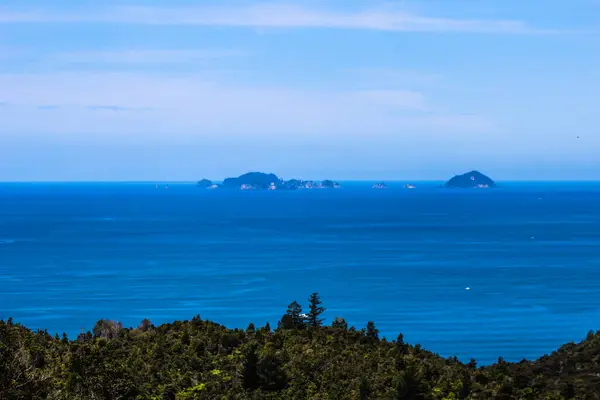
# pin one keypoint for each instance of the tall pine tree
(315, 310)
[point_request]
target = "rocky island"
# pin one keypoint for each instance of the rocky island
(252, 181)
(473, 179)
(330, 184)
(204, 183)
(263, 181)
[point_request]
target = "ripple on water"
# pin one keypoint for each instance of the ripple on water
(402, 261)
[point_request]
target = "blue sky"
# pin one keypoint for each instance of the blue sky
(347, 89)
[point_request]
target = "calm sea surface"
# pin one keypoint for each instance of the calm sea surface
(71, 254)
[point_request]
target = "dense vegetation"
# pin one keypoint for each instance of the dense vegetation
(262, 181)
(300, 359)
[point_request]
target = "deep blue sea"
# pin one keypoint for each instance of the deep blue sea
(71, 254)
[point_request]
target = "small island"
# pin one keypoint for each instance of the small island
(473, 179)
(263, 181)
(380, 185)
(409, 186)
(330, 184)
(204, 183)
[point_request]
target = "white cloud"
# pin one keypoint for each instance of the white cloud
(189, 106)
(274, 15)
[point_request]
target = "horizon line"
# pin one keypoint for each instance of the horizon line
(395, 180)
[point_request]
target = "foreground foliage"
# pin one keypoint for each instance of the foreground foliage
(301, 359)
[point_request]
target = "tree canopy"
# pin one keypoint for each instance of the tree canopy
(199, 359)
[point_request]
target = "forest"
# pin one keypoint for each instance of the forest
(300, 358)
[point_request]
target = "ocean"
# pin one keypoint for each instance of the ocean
(73, 253)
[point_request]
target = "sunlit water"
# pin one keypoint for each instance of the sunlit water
(71, 254)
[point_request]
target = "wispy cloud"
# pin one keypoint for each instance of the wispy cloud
(146, 56)
(396, 99)
(274, 15)
(116, 108)
(189, 106)
(48, 107)
(108, 108)
(392, 76)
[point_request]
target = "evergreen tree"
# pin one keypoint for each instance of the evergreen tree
(315, 310)
(401, 347)
(293, 317)
(250, 377)
(145, 325)
(472, 365)
(185, 338)
(372, 331)
(339, 323)
(364, 390)
(272, 376)
(294, 313)
(286, 322)
(465, 389)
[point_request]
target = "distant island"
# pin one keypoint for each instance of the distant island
(269, 181)
(330, 184)
(204, 183)
(263, 181)
(473, 179)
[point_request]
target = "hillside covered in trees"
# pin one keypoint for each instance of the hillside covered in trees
(299, 359)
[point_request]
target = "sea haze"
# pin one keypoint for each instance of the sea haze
(71, 254)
